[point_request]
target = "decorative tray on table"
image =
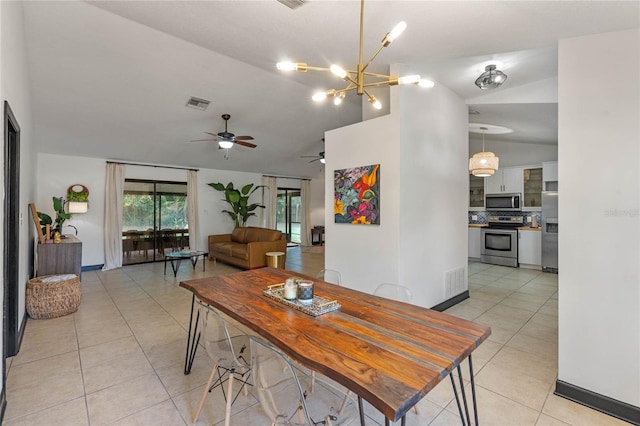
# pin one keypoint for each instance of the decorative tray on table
(318, 306)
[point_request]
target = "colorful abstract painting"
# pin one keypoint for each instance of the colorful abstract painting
(357, 195)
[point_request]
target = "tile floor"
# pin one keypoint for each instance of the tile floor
(119, 359)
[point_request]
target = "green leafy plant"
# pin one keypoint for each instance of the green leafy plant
(79, 197)
(238, 199)
(61, 216)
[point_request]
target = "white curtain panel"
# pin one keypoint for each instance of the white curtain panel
(270, 200)
(114, 195)
(305, 201)
(192, 209)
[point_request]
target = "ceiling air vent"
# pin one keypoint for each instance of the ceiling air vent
(293, 4)
(198, 103)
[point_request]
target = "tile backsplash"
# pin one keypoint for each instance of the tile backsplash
(481, 217)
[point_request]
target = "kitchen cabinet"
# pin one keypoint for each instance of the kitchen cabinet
(532, 188)
(530, 247)
(476, 193)
(474, 242)
(550, 175)
(506, 180)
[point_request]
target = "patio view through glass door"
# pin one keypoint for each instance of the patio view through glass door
(288, 214)
(154, 220)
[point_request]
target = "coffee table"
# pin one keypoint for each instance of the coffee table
(176, 257)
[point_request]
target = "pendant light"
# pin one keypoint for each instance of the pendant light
(483, 164)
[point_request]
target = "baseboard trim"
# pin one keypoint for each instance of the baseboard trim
(451, 302)
(621, 410)
(91, 268)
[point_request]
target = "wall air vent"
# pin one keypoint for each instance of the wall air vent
(198, 103)
(293, 4)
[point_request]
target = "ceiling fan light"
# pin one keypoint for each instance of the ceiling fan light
(225, 144)
(491, 78)
(322, 160)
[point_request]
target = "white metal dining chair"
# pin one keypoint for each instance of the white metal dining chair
(230, 354)
(330, 276)
(280, 393)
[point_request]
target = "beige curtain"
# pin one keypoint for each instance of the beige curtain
(192, 209)
(269, 199)
(305, 224)
(114, 195)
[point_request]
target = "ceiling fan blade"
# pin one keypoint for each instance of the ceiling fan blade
(247, 144)
(308, 156)
(313, 161)
(244, 138)
(203, 140)
(212, 134)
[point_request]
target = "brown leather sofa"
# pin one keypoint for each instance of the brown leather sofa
(246, 246)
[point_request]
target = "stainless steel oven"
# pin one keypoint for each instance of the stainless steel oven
(500, 241)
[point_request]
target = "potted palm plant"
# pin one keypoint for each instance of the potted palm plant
(238, 199)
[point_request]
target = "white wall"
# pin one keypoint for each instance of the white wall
(56, 173)
(365, 255)
(14, 88)
(434, 155)
(599, 178)
(419, 238)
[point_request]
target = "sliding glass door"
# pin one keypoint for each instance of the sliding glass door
(288, 213)
(154, 220)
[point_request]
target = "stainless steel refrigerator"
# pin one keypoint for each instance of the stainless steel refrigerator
(550, 231)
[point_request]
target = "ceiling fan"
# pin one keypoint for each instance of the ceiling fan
(320, 157)
(227, 139)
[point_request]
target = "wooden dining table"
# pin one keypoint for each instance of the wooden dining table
(389, 353)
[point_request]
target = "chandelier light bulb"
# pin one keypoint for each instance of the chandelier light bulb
(409, 79)
(339, 98)
(338, 70)
(319, 96)
(287, 66)
(427, 84)
(376, 103)
(394, 33)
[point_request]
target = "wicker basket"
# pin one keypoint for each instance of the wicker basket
(53, 299)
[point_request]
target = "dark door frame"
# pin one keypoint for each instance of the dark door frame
(11, 255)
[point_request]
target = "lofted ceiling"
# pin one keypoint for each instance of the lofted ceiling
(110, 79)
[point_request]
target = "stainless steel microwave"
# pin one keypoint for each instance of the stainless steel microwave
(503, 202)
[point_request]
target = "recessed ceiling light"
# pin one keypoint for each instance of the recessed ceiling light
(488, 129)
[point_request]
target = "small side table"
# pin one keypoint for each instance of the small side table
(175, 257)
(275, 259)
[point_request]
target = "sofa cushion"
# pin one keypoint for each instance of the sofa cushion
(239, 235)
(262, 234)
(239, 251)
(221, 248)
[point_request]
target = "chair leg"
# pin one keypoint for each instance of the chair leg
(204, 393)
(313, 381)
(344, 402)
(227, 409)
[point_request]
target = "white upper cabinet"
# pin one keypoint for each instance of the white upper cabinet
(506, 180)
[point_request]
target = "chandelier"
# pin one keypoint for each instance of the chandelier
(483, 164)
(356, 79)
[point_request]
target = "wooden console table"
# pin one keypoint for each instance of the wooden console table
(62, 258)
